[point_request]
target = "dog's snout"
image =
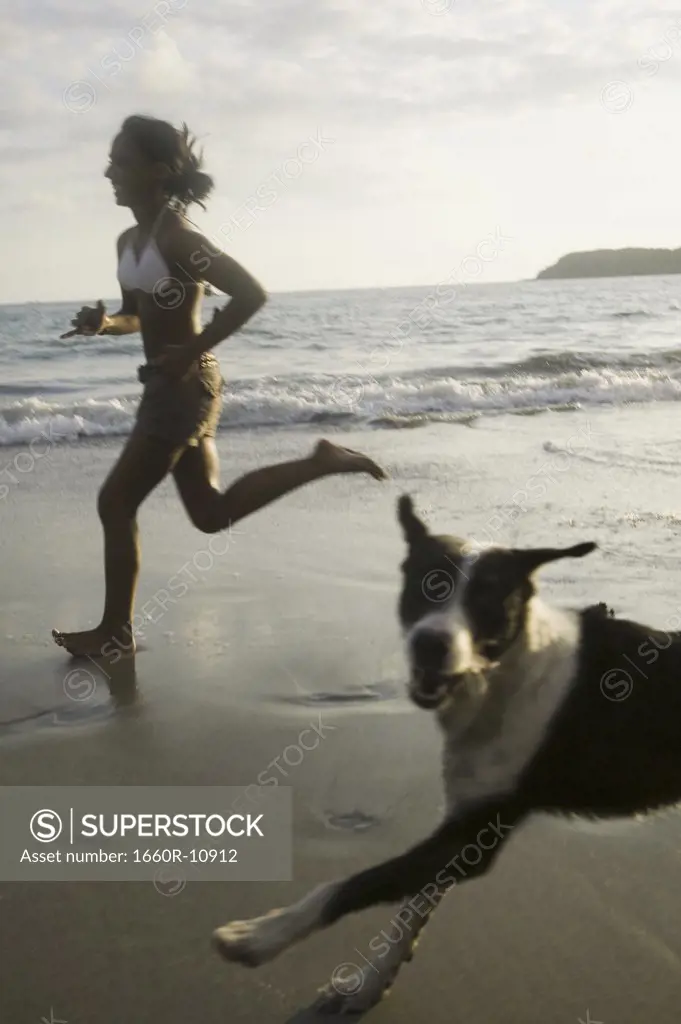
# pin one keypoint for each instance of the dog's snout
(431, 649)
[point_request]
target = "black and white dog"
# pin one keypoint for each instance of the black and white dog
(538, 713)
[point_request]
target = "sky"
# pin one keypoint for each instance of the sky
(353, 144)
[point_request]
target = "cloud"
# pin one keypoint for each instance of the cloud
(163, 69)
(250, 66)
(338, 49)
(424, 106)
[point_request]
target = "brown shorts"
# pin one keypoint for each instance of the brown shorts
(181, 411)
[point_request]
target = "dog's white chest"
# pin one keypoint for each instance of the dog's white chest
(492, 734)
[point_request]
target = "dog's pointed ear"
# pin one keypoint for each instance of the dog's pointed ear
(414, 530)
(531, 559)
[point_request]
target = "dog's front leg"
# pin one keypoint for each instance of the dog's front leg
(435, 864)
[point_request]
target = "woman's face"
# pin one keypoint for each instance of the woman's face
(135, 180)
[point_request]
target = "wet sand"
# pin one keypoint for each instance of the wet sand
(295, 624)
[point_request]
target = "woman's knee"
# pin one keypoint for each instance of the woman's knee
(205, 519)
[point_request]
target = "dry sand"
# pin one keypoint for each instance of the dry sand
(295, 620)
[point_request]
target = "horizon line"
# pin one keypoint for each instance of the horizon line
(309, 291)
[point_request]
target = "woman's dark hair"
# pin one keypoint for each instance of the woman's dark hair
(161, 142)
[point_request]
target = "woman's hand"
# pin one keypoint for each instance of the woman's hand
(89, 320)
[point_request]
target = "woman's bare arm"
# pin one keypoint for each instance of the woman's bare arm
(226, 275)
(126, 320)
(92, 320)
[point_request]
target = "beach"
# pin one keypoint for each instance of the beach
(346, 207)
(290, 623)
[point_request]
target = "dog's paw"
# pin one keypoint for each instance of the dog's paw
(352, 990)
(253, 942)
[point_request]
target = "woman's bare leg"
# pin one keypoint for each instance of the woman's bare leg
(141, 467)
(196, 475)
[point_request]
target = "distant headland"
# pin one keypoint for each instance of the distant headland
(615, 263)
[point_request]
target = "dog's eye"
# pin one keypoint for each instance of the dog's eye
(485, 587)
(486, 591)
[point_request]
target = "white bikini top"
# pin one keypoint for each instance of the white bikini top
(146, 273)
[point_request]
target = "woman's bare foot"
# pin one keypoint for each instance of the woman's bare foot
(344, 460)
(100, 642)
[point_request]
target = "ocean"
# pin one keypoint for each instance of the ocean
(373, 358)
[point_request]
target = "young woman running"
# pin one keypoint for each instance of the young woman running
(155, 171)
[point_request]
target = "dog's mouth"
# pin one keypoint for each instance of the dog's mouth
(429, 690)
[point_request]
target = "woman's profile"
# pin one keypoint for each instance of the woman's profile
(156, 172)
